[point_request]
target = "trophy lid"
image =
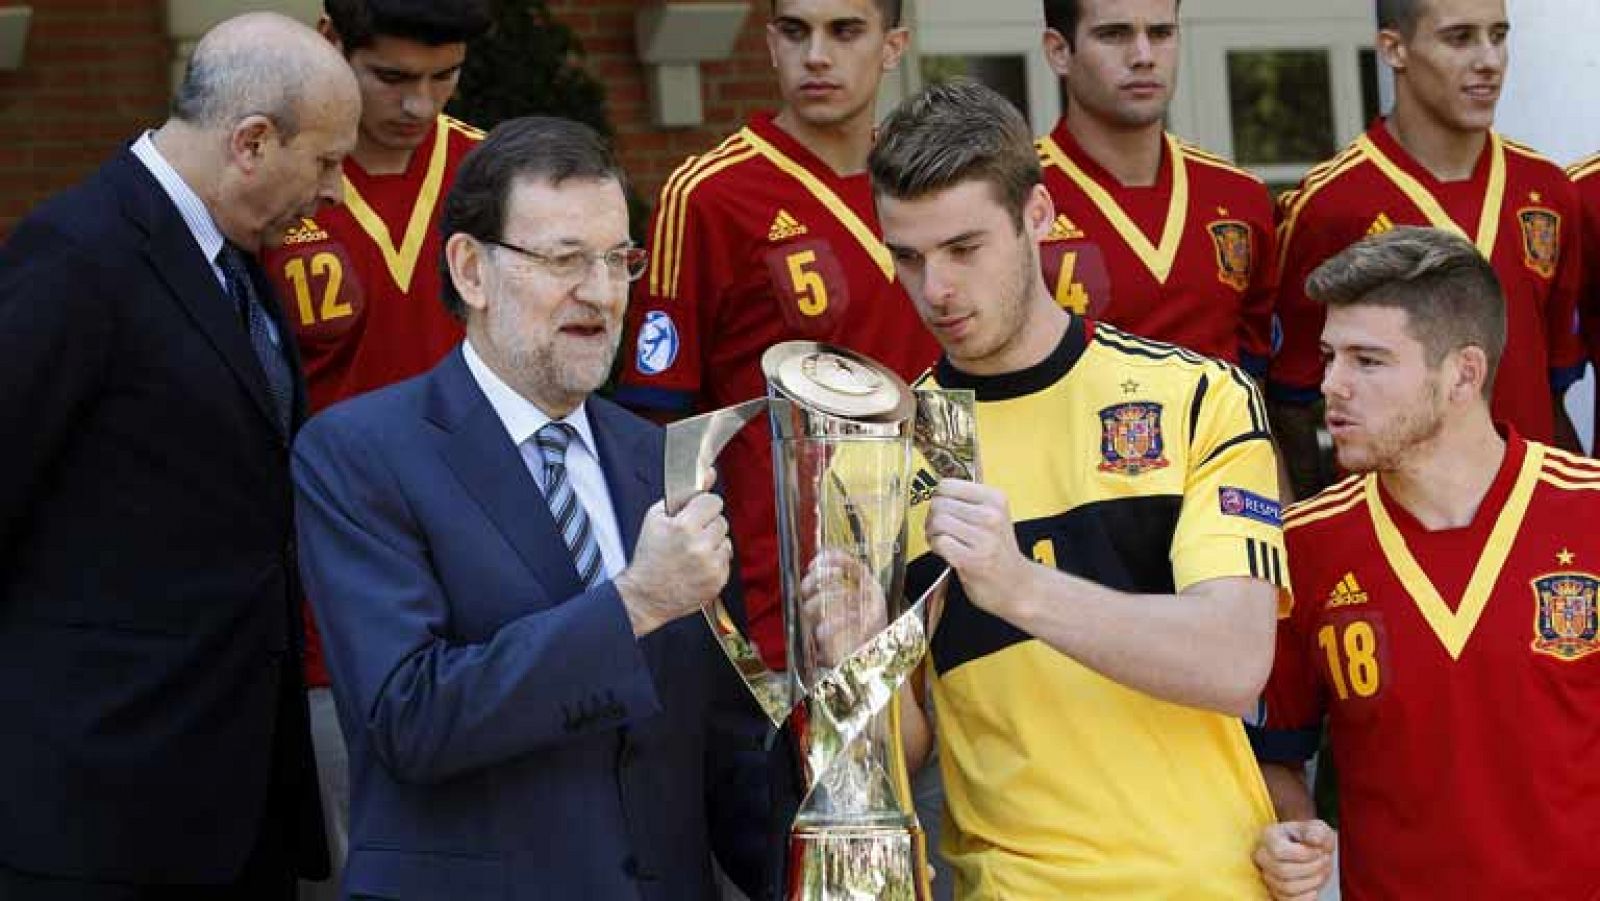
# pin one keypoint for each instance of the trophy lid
(836, 381)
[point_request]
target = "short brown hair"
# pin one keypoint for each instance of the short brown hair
(889, 8)
(1399, 15)
(1062, 16)
(954, 132)
(1449, 292)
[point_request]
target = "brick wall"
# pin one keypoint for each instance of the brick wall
(730, 89)
(93, 74)
(96, 72)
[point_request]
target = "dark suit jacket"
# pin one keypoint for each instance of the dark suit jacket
(509, 737)
(149, 674)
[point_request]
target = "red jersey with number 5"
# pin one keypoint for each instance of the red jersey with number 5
(1517, 207)
(753, 243)
(1460, 674)
(1190, 260)
(360, 282)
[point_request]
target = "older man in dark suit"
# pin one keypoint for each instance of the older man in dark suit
(155, 729)
(505, 606)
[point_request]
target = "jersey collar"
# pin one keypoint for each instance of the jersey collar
(1023, 382)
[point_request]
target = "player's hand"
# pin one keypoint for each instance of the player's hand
(679, 565)
(841, 606)
(969, 525)
(1295, 859)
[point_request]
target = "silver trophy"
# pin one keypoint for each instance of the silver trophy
(848, 435)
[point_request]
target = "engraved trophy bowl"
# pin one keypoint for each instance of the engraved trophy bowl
(843, 434)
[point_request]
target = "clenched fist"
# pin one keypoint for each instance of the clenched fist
(679, 565)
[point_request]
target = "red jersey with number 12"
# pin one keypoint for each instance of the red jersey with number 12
(361, 281)
(360, 284)
(1460, 674)
(753, 243)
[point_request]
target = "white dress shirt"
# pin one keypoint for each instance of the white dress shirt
(522, 419)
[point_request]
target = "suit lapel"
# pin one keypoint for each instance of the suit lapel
(480, 453)
(178, 261)
(632, 466)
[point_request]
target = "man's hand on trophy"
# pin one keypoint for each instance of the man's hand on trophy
(680, 563)
(841, 606)
(969, 526)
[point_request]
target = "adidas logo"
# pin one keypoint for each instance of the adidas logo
(1380, 225)
(784, 227)
(922, 485)
(1063, 229)
(1347, 593)
(307, 232)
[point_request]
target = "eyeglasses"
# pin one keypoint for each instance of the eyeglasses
(622, 263)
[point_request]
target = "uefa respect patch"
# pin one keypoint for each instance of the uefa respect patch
(1249, 505)
(657, 347)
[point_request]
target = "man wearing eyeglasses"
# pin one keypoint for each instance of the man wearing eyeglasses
(504, 602)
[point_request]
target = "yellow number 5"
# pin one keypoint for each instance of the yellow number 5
(325, 266)
(809, 287)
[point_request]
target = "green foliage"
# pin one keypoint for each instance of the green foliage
(530, 63)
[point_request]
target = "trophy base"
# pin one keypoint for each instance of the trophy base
(856, 863)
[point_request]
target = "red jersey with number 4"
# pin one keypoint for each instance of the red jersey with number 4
(360, 284)
(1460, 674)
(1518, 207)
(361, 281)
(754, 243)
(1190, 260)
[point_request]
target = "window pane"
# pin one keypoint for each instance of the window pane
(1369, 85)
(1008, 75)
(1282, 106)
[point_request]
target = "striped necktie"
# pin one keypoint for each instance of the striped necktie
(569, 514)
(280, 380)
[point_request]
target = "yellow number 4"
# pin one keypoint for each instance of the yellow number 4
(809, 287)
(1070, 293)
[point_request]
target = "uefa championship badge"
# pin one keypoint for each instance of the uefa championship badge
(657, 346)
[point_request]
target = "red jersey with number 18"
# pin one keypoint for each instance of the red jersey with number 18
(753, 243)
(1460, 674)
(1190, 260)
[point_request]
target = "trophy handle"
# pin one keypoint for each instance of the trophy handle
(692, 446)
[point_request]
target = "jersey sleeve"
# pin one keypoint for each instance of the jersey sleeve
(1589, 291)
(1230, 523)
(672, 305)
(1255, 315)
(1566, 347)
(1295, 372)
(1287, 727)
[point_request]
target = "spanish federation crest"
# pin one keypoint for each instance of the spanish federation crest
(1233, 252)
(1541, 239)
(1130, 439)
(1566, 620)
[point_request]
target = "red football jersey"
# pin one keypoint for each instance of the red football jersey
(753, 243)
(1460, 674)
(1518, 207)
(360, 283)
(1190, 260)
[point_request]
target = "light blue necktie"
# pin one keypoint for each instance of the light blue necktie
(569, 514)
